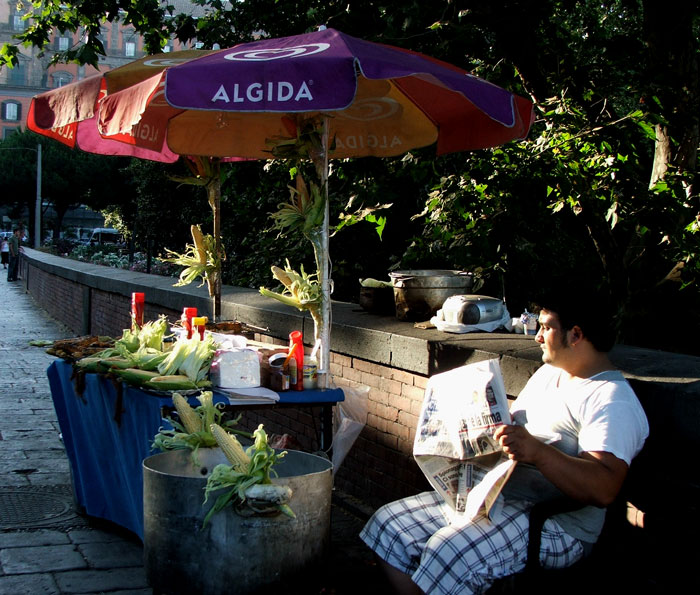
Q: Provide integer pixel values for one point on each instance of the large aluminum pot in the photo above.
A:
(420, 293)
(233, 553)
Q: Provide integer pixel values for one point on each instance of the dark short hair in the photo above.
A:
(590, 310)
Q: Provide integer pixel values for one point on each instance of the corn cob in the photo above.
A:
(206, 398)
(199, 246)
(281, 276)
(231, 448)
(188, 417)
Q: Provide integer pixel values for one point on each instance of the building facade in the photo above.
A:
(34, 74)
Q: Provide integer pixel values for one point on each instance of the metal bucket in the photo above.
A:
(420, 293)
(232, 554)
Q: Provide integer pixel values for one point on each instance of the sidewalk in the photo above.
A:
(46, 547)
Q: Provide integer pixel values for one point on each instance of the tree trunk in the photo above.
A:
(674, 60)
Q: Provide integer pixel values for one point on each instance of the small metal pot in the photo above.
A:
(377, 300)
(420, 293)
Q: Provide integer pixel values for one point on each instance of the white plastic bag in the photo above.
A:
(349, 418)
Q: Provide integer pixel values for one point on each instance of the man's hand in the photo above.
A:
(518, 443)
(592, 477)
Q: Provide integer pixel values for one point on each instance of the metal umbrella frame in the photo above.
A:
(372, 100)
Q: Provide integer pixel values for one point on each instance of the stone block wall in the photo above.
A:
(388, 363)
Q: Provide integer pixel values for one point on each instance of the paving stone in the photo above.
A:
(33, 538)
(28, 584)
(100, 581)
(93, 536)
(51, 558)
(114, 554)
(50, 479)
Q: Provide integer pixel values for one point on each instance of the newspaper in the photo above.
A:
(454, 444)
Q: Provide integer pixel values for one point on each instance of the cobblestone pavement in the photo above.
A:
(46, 546)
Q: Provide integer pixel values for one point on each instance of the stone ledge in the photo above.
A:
(381, 339)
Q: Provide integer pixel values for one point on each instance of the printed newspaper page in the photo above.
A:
(454, 444)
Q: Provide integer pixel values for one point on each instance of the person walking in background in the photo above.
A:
(14, 255)
(5, 252)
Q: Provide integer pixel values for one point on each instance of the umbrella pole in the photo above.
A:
(214, 197)
(324, 272)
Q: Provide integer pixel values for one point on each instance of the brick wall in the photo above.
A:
(380, 466)
(110, 313)
(66, 300)
(61, 298)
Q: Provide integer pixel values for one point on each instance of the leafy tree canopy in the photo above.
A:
(604, 187)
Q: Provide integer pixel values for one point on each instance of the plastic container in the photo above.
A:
(529, 322)
(310, 373)
(296, 379)
(137, 307)
(279, 378)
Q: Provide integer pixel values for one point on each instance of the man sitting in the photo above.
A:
(593, 426)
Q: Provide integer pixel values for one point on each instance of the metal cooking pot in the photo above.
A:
(420, 293)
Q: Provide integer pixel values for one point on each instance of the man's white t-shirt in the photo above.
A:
(600, 413)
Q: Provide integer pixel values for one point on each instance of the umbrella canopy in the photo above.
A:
(381, 101)
(373, 99)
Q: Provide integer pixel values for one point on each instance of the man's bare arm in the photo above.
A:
(591, 478)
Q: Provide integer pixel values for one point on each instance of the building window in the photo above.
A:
(63, 44)
(130, 49)
(18, 23)
(11, 111)
(167, 49)
(8, 132)
(61, 78)
(17, 76)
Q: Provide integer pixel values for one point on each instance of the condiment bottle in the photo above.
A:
(187, 315)
(296, 380)
(137, 306)
(293, 373)
(310, 373)
(199, 323)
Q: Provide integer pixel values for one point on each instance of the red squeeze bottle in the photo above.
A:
(295, 338)
(187, 315)
(199, 324)
(137, 304)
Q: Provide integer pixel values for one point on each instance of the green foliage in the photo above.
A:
(607, 78)
(69, 178)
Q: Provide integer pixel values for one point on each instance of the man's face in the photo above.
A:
(552, 339)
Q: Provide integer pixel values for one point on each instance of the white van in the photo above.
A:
(105, 235)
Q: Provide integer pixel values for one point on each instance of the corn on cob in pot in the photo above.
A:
(188, 417)
(232, 448)
(247, 481)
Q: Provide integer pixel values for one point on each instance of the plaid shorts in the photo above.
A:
(415, 536)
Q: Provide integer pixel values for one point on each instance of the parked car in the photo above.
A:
(105, 235)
